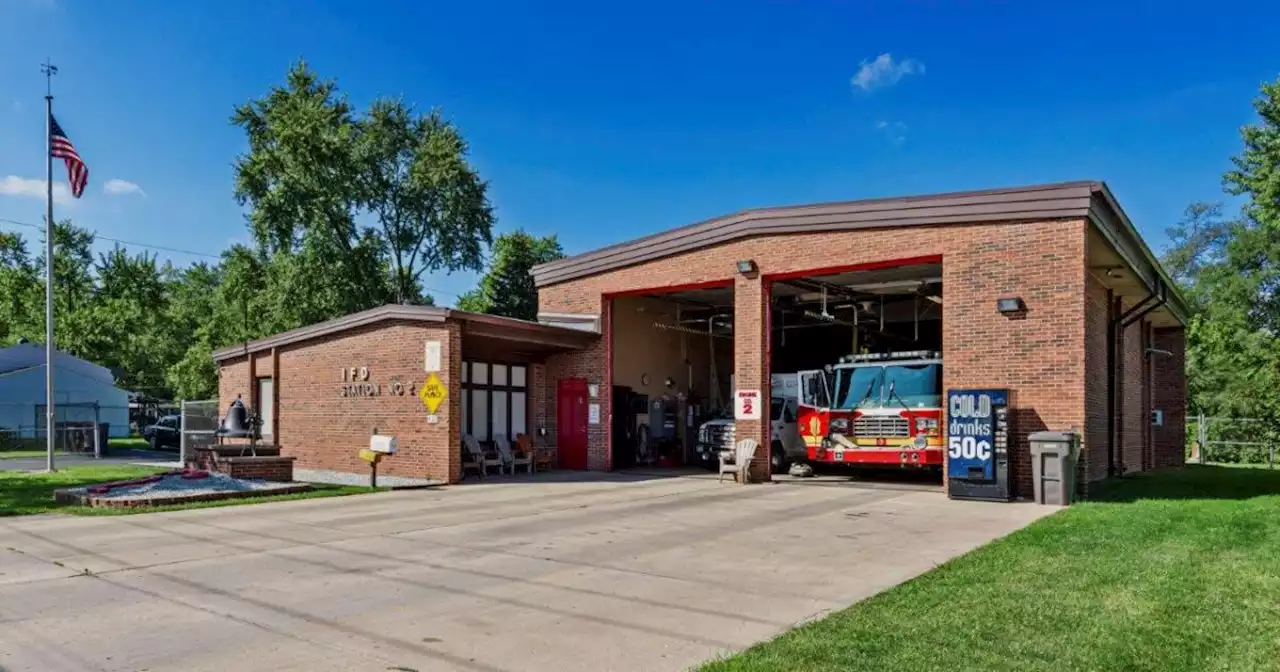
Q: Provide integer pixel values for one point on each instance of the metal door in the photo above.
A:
(571, 423)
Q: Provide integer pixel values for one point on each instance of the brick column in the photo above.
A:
(1169, 380)
(538, 393)
(450, 423)
(751, 363)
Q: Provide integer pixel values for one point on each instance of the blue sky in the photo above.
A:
(602, 123)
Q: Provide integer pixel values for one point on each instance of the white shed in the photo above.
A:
(82, 391)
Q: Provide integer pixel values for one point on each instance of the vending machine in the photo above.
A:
(979, 434)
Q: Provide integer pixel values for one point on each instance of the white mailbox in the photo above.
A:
(381, 443)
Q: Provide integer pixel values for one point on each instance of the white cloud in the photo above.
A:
(117, 187)
(895, 131)
(12, 185)
(884, 71)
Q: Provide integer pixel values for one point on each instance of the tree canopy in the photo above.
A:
(347, 209)
(1230, 270)
(507, 287)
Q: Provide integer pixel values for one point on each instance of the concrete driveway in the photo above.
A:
(581, 572)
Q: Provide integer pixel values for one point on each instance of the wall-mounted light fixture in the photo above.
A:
(1010, 305)
(747, 266)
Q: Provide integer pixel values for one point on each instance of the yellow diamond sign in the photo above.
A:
(432, 393)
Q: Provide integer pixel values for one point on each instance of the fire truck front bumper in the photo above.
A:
(903, 456)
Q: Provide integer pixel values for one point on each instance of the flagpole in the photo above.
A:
(49, 71)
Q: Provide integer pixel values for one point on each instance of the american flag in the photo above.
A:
(77, 172)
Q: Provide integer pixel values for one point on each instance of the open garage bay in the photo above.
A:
(584, 572)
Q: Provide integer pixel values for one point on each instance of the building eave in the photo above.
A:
(1106, 214)
(511, 328)
(1031, 203)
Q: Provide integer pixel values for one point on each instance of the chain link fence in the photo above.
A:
(199, 422)
(78, 427)
(1227, 440)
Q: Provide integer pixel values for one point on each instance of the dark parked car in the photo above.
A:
(164, 433)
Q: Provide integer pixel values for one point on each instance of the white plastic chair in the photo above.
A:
(509, 457)
(743, 453)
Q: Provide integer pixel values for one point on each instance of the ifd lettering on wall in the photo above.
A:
(356, 383)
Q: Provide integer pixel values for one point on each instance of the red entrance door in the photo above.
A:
(571, 423)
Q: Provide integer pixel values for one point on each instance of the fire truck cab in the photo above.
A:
(870, 410)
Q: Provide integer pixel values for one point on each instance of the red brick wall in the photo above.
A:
(588, 364)
(1093, 452)
(266, 468)
(1132, 418)
(1040, 355)
(538, 395)
(262, 365)
(1170, 396)
(233, 379)
(751, 298)
(324, 429)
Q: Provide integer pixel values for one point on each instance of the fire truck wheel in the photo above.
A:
(778, 458)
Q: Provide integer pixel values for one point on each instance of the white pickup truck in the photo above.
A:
(787, 446)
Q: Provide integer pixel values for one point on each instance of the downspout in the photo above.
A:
(1116, 326)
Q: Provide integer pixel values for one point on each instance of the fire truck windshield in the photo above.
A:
(859, 387)
(915, 385)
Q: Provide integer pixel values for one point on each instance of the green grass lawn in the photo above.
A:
(123, 443)
(127, 442)
(1169, 571)
(23, 493)
(15, 454)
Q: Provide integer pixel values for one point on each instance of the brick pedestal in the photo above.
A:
(227, 460)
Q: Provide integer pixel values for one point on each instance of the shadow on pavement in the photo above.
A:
(569, 476)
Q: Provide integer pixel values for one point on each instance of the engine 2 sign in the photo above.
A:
(971, 430)
(747, 405)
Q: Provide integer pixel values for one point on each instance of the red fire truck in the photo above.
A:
(874, 410)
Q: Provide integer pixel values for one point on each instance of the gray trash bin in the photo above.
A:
(1053, 466)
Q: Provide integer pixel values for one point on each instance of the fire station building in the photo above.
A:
(1047, 291)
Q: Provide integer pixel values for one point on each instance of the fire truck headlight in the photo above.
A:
(928, 426)
(840, 425)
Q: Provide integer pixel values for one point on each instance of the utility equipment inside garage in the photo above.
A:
(672, 366)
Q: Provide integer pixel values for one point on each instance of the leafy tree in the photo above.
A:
(108, 311)
(300, 182)
(193, 307)
(432, 206)
(130, 327)
(22, 283)
(507, 288)
(347, 211)
(73, 291)
(1232, 269)
(21, 290)
(1198, 241)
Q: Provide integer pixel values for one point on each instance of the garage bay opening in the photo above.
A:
(855, 357)
(672, 359)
